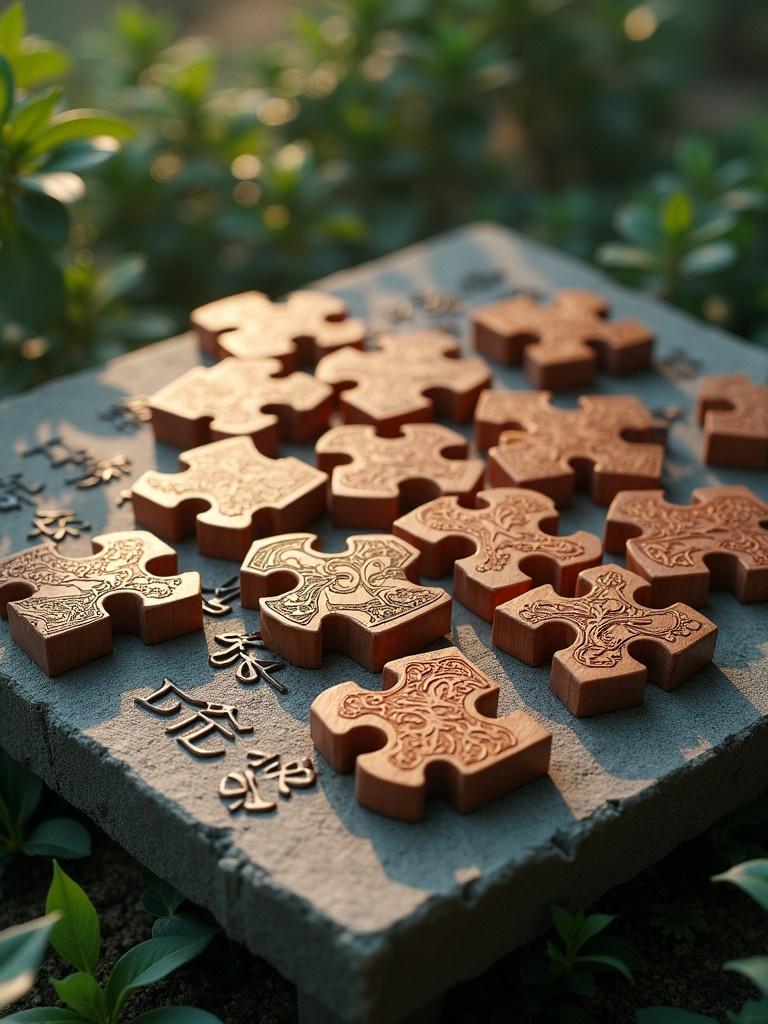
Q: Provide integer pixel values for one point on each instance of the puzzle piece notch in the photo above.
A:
(720, 540)
(374, 479)
(409, 378)
(561, 345)
(228, 494)
(609, 444)
(734, 413)
(241, 396)
(63, 611)
(301, 329)
(500, 548)
(364, 601)
(430, 732)
(605, 642)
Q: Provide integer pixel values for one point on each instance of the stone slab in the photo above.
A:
(371, 917)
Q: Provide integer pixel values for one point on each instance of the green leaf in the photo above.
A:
(82, 993)
(31, 282)
(40, 61)
(176, 1015)
(31, 118)
(695, 157)
(22, 948)
(61, 185)
(42, 216)
(123, 274)
(72, 125)
(602, 959)
(12, 27)
(754, 968)
(751, 877)
(671, 1015)
(80, 156)
(77, 937)
(6, 89)
(676, 214)
(616, 254)
(707, 259)
(44, 1015)
(149, 962)
(59, 837)
(186, 926)
(19, 791)
(565, 922)
(593, 925)
(638, 225)
(719, 223)
(582, 983)
(160, 898)
(753, 1012)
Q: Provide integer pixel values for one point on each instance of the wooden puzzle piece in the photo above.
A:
(719, 540)
(374, 479)
(363, 601)
(734, 413)
(229, 494)
(499, 549)
(409, 378)
(561, 345)
(240, 396)
(606, 641)
(430, 732)
(63, 611)
(302, 329)
(602, 446)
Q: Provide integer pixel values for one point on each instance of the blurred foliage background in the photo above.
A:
(260, 144)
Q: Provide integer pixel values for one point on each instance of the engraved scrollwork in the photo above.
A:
(606, 621)
(428, 709)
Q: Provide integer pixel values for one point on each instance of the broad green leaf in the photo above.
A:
(6, 89)
(42, 216)
(39, 62)
(676, 214)
(19, 789)
(603, 960)
(753, 1012)
(695, 157)
(176, 1015)
(616, 254)
(638, 225)
(77, 936)
(72, 125)
(61, 185)
(30, 119)
(31, 282)
(123, 274)
(22, 948)
(80, 156)
(149, 962)
(82, 993)
(187, 926)
(44, 1015)
(720, 223)
(565, 922)
(754, 968)
(707, 259)
(12, 27)
(671, 1015)
(160, 898)
(593, 925)
(581, 982)
(59, 837)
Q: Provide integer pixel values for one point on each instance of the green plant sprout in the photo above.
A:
(76, 937)
(20, 794)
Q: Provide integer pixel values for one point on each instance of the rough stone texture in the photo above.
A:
(369, 916)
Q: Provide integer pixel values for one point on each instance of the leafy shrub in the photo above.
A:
(367, 125)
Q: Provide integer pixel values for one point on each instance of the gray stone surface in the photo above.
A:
(371, 917)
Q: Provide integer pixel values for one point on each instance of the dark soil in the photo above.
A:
(242, 989)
